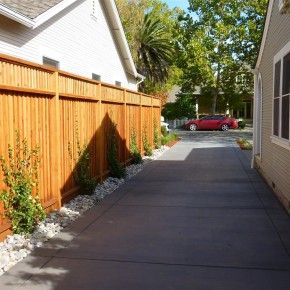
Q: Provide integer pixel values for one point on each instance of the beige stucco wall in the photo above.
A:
(275, 160)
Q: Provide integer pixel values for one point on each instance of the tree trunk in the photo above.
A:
(214, 101)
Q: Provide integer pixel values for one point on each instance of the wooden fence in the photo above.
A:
(47, 105)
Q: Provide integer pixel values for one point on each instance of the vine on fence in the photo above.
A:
(134, 150)
(146, 145)
(156, 135)
(82, 169)
(116, 168)
(20, 198)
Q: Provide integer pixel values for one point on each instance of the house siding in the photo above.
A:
(275, 160)
(83, 44)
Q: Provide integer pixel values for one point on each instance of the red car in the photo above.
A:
(212, 122)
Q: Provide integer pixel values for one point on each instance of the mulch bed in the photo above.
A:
(173, 142)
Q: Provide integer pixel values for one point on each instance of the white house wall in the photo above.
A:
(82, 43)
(275, 160)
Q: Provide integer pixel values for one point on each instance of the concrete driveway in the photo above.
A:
(198, 218)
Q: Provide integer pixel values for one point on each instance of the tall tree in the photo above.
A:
(149, 26)
(219, 46)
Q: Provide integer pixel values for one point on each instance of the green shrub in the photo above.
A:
(156, 139)
(134, 150)
(241, 124)
(164, 131)
(82, 170)
(244, 144)
(168, 138)
(116, 168)
(21, 202)
(146, 146)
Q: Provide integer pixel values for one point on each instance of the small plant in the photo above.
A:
(116, 168)
(244, 144)
(164, 131)
(242, 124)
(20, 198)
(134, 150)
(156, 139)
(81, 172)
(169, 138)
(146, 146)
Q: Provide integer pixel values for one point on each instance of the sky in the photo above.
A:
(177, 3)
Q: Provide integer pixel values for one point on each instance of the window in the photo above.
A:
(50, 62)
(96, 77)
(118, 84)
(281, 102)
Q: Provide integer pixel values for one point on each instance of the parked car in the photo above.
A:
(212, 122)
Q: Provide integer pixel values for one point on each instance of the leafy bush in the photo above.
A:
(244, 144)
(21, 202)
(82, 170)
(242, 124)
(164, 131)
(146, 146)
(156, 139)
(134, 150)
(116, 168)
(168, 138)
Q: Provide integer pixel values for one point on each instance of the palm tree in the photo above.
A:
(155, 50)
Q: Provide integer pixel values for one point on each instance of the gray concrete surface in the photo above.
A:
(199, 218)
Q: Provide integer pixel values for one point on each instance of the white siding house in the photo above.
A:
(271, 154)
(83, 37)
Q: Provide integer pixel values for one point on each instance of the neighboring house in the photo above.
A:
(271, 154)
(83, 37)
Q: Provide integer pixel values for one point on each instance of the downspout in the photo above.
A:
(141, 77)
(255, 73)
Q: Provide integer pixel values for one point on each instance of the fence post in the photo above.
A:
(55, 144)
(141, 128)
(126, 129)
(101, 140)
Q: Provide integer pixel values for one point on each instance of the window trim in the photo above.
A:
(285, 143)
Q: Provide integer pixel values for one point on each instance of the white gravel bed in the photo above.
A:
(16, 247)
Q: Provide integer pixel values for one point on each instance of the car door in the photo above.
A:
(205, 123)
(217, 122)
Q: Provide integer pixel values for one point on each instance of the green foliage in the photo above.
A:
(150, 27)
(168, 138)
(184, 106)
(156, 138)
(164, 131)
(244, 144)
(242, 124)
(146, 145)
(219, 46)
(116, 168)
(82, 170)
(134, 150)
(21, 202)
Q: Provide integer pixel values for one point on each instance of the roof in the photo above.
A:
(30, 8)
(33, 13)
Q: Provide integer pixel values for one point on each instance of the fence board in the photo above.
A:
(52, 108)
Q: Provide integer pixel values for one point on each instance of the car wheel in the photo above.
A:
(193, 127)
(225, 127)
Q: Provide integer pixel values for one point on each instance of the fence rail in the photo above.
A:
(49, 106)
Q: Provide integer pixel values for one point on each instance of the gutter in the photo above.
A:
(141, 77)
(16, 16)
(118, 30)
